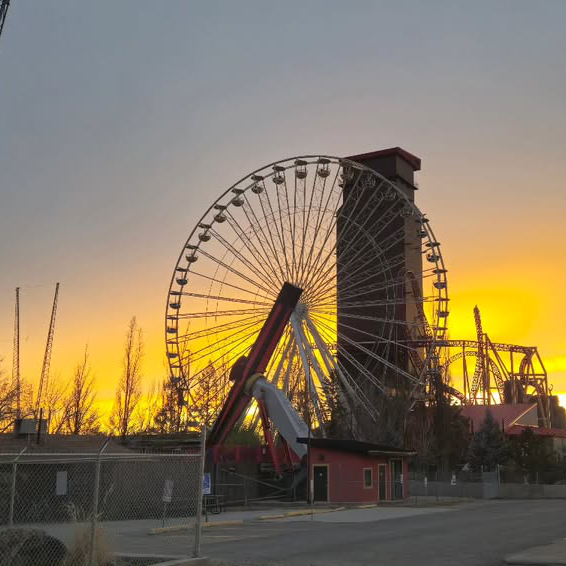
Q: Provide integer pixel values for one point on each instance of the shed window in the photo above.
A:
(368, 478)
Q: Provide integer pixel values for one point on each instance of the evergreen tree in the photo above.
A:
(488, 447)
(532, 454)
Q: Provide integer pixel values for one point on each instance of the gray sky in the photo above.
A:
(120, 121)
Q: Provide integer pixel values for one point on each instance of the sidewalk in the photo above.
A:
(553, 554)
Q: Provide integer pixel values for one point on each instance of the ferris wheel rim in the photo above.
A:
(340, 162)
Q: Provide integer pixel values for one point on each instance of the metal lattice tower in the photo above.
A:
(16, 382)
(44, 380)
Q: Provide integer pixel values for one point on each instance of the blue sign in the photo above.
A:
(206, 484)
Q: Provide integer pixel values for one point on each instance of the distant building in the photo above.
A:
(505, 415)
(513, 420)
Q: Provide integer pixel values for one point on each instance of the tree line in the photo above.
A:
(73, 407)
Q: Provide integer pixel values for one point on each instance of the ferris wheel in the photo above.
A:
(356, 245)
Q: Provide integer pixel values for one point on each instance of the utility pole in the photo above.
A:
(44, 379)
(16, 383)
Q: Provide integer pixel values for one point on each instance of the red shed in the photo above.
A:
(350, 471)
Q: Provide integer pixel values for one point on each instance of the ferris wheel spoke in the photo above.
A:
(257, 270)
(231, 269)
(285, 213)
(354, 229)
(371, 244)
(221, 298)
(382, 360)
(400, 323)
(261, 257)
(302, 215)
(331, 366)
(280, 236)
(306, 221)
(372, 275)
(226, 326)
(290, 363)
(291, 218)
(332, 306)
(264, 201)
(239, 352)
(329, 294)
(216, 314)
(281, 357)
(304, 352)
(220, 340)
(350, 384)
(321, 210)
(224, 283)
(387, 268)
(349, 225)
(315, 207)
(265, 241)
(376, 339)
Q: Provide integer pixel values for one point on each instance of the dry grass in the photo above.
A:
(79, 554)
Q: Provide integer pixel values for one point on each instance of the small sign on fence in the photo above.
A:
(453, 480)
(167, 491)
(61, 483)
(206, 484)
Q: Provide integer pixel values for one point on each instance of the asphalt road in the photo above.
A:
(477, 534)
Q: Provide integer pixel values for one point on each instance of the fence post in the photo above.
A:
(198, 518)
(92, 554)
(13, 488)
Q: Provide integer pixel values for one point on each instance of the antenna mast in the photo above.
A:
(4, 5)
(44, 380)
(16, 383)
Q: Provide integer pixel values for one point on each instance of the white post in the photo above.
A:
(92, 554)
(198, 519)
(13, 488)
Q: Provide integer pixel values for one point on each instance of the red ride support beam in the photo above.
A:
(260, 354)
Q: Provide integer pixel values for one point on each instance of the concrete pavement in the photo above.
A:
(480, 533)
(553, 554)
(476, 534)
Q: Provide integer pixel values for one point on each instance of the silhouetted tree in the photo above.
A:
(128, 392)
(79, 413)
(488, 447)
(531, 453)
(8, 393)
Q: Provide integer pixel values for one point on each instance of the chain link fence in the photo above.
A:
(503, 483)
(80, 509)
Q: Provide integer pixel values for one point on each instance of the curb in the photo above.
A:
(176, 528)
(301, 513)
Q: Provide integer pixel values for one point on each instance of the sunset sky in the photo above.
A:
(121, 122)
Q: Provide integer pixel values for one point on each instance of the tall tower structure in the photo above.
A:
(399, 166)
(16, 379)
(386, 290)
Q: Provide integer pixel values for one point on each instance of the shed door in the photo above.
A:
(396, 479)
(320, 474)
